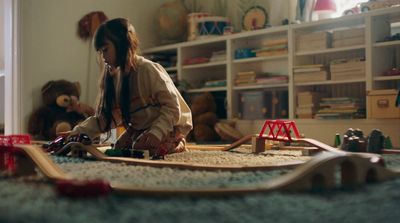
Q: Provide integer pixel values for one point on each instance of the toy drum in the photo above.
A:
(212, 25)
(192, 24)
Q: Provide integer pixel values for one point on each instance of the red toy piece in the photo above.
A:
(279, 130)
(83, 188)
(7, 159)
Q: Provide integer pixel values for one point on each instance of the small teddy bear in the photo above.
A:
(204, 118)
(60, 112)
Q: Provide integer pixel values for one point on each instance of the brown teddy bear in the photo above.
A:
(204, 118)
(61, 110)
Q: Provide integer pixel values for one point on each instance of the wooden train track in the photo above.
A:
(317, 173)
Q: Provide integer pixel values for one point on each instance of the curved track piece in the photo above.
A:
(317, 173)
(239, 142)
(43, 162)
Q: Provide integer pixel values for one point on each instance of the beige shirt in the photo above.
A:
(156, 104)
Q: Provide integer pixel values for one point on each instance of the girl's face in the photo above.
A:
(109, 54)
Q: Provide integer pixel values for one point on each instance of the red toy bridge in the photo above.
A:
(279, 130)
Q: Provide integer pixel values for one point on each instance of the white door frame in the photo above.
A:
(12, 64)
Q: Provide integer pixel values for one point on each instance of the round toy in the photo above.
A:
(255, 18)
(192, 24)
(211, 26)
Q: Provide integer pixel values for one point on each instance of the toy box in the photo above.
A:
(263, 105)
(382, 104)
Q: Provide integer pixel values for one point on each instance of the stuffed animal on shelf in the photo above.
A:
(204, 118)
(61, 110)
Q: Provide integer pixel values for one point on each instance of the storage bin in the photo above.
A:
(263, 105)
(382, 104)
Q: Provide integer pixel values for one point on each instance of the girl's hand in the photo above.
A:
(148, 141)
(124, 141)
(65, 134)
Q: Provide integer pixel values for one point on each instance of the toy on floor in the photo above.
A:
(60, 112)
(355, 141)
(62, 145)
(134, 153)
(203, 109)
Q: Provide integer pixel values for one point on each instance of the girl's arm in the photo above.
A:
(93, 126)
(165, 93)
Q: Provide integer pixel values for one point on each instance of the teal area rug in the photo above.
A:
(36, 200)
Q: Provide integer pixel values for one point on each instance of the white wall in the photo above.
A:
(1, 35)
(51, 49)
(1, 61)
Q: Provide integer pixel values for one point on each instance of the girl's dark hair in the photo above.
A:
(121, 33)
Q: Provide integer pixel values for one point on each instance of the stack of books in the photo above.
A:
(252, 78)
(309, 73)
(313, 41)
(348, 37)
(341, 107)
(307, 104)
(272, 47)
(346, 69)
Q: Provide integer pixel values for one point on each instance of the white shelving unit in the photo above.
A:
(379, 57)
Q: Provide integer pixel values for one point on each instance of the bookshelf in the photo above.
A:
(379, 57)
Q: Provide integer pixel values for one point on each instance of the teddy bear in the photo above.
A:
(204, 118)
(60, 112)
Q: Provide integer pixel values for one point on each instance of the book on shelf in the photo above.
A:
(348, 42)
(272, 80)
(337, 110)
(271, 48)
(347, 61)
(307, 66)
(251, 77)
(313, 41)
(340, 99)
(307, 70)
(306, 46)
(310, 76)
(273, 42)
(271, 53)
(347, 76)
(356, 68)
(308, 98)
(246, 74)
(341, 107)
(314, 36)
(305, 110)
(348, 33)
(196, 60)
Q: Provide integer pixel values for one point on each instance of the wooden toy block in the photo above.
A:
(257, 144)
(310, 151)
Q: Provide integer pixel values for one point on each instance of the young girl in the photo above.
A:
(136, 93)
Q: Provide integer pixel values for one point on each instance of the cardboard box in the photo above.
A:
(382, 104)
